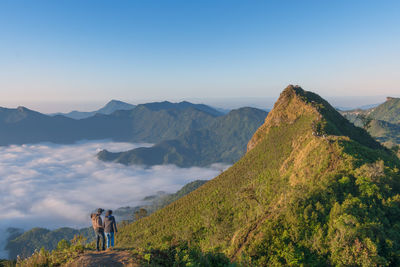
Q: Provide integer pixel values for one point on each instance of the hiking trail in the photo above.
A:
(104, 259)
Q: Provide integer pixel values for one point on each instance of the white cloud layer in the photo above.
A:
(48, 185)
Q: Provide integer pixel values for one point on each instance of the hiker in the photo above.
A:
(98, 228)
(110, 228)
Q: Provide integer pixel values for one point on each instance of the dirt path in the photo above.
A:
(253, 231)
(248, 236)
(104, 259)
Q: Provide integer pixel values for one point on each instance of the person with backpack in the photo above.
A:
(110, 228)
(98, 228)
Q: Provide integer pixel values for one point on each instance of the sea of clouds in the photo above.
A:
(49, 185)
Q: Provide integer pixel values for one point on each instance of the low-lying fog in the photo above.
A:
(48, 185)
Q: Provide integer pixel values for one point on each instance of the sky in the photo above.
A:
(67, 54)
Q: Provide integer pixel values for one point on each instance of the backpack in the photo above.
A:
(96, 221)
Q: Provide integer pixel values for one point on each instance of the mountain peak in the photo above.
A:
(310, 181)
(115, 101)
(291, 104)
(293, 89)
(22, 109)
(295, 102)
(114, 105)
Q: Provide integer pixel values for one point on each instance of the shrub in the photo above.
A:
(65, 252)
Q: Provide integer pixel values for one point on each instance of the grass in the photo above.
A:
(7, 263)
(280, 204)
(313, 190)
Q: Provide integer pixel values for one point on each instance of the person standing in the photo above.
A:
(110, 228)
(98, 228)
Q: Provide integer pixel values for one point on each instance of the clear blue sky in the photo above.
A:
(82, 51)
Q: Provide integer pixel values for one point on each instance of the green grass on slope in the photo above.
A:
(37, 238)
(382, 122)
(24, 244)
(7, 263)
(297, 198)
(211, 214)
(385, 132)
(312, 191)
(388, 111)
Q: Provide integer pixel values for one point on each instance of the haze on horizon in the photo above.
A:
(64, 55)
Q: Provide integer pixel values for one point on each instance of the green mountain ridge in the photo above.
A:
(115, 105)
(36, 238)
(385, 132)
(109, 108)
(312, 190)
(223, 140)
(388, 111)
(165, 105)
(382, 122)
(144, 123)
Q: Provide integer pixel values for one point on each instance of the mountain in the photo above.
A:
(115, 105)
(388, 111)
(382, 122)
(312, 190)
(385, 132)
(22, 125)
(150, 122)
(109, 108)
(369, 106)
(223, 140)
(223, 110)
(25, 243)
(144, 124)
(165, 105)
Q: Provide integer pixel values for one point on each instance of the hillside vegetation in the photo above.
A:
(312, 190)
(25, 244)
(35, 239)
(388, 111)
(382, 122)
(152, 122)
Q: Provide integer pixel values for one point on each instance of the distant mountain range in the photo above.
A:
(382, 122)
(363, 107)
(115, 105)
(185, 134)
(223, 139)
(25, 243)
(109, 108)
(165, 105)
(152, 122)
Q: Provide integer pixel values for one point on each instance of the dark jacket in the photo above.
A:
(110, 226)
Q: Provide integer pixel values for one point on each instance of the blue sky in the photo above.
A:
(93, 51)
